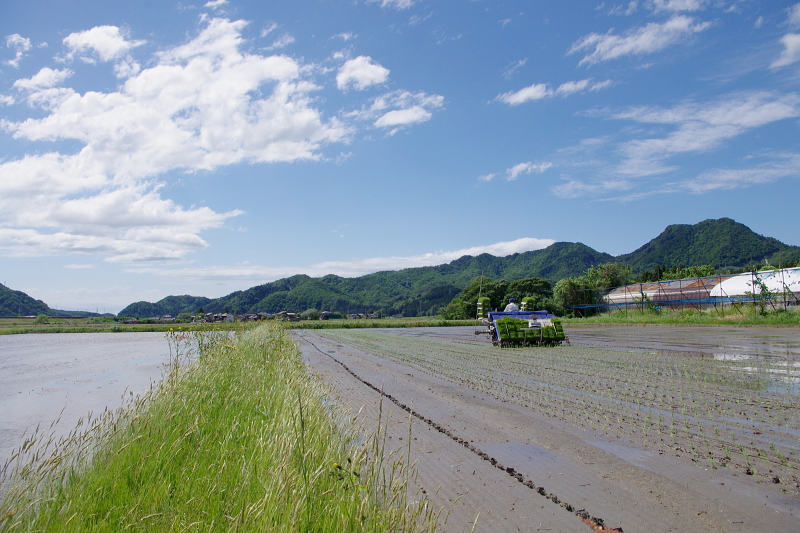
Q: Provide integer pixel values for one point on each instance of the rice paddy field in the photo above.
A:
(662, 428)
(719, 412)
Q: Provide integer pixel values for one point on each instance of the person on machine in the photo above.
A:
(511, 306)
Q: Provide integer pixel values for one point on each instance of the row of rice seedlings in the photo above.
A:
(690, 404)
(239, 439)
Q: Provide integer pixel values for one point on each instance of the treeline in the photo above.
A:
(574, 292)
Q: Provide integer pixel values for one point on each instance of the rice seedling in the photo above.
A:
(235, 438)
(699, 407)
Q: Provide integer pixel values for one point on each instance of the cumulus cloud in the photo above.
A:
(538, 91)
(215, 4)
(104, 42)
(354, 268)
(20, 45)
(44, 79)
(200, 106)
(361, 73)
(646, 40)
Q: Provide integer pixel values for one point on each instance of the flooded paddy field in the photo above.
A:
(67, 375)
(646, 428)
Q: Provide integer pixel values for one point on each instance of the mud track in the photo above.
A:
(499, 466)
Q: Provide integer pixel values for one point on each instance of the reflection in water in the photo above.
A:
(71, 374)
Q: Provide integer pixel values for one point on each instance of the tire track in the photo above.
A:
(596, 523)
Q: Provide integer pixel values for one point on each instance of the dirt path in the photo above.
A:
(517, 470)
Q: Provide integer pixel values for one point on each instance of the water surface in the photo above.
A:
(43, 374)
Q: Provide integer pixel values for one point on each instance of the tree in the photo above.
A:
(310, 314)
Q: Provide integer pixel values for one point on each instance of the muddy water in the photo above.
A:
(43, 374)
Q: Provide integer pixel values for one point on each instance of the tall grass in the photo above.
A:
(741, 314)
(240, 439)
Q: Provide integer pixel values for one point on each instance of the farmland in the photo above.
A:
(638, 433)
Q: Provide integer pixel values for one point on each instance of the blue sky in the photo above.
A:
(156, 148)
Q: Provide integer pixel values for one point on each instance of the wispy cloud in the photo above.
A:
(790, 41)
(700, 127)
(394, 4)
(514, 172)
(539, 91)
(645, 40)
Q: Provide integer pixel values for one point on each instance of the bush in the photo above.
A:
(42, 319)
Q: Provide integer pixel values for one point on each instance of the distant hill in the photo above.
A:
(719, 243)
(410, 292)
(171, 305)
(17, 303)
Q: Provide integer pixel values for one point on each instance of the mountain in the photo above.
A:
(17, 303)
(719, 243)
(171, 305)
(411, 292)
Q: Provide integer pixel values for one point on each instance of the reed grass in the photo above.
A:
(236, 437)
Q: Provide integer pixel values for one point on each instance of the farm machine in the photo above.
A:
(521, 328)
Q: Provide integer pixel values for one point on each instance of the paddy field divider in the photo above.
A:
(237, 436)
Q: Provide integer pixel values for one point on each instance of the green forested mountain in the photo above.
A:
(422, 291)
(719, 243)
(171, 305)
(410, 292)
(17, 303)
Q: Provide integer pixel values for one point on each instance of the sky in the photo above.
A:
(160, 148)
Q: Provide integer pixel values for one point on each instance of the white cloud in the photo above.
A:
(791, 51)
(400, 108)
(512, 68)
(402, 117)
(396, 4)
(20, 45)
(677, 5)
(200, 106)
(344, 36)
(721, 179)
(107, 42)
(282, 42)
(539, 91)
(126, 68)
(487, 177)
(622, 9)
(794, 16)
(646, 40)
(214, 4)
(577, 188)
(75, 266)
(43, 79)
(701, 127)
(346, 268)
(526, 168)
(361, 73)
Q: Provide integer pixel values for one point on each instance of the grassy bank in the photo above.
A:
(744, 316)
(238, 440)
